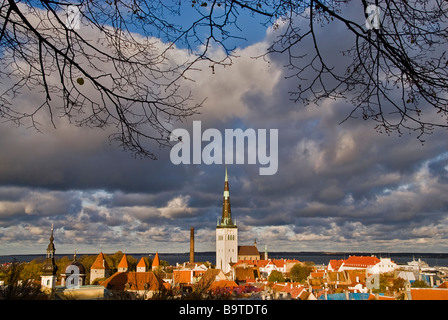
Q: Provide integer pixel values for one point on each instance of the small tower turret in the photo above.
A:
(48, 278)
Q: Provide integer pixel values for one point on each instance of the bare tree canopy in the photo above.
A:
(118, 70)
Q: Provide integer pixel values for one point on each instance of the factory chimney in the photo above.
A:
(192, 245)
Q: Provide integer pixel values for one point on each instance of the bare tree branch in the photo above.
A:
(118, 71)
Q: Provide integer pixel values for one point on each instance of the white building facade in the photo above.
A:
(384, 266)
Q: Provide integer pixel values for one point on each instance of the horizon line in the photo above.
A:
(211, 252)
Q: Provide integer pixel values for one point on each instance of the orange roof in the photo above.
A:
(429, 294)
(261, 263)
(182, 276)
(443, 285)
(361, 261)
(135, 281)
(249, 273)
(100, 262)
(294, 289)
(223, 284)
(356, 276)
(317, 274)
(156, 261)
(336, 264)
(124, 262)
(297, 292)
(278, 263)
(337, 277)
(292, 261)
(141, 263)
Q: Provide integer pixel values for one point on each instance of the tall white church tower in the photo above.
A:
(226, 235)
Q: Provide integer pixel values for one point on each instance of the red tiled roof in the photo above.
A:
(100, 262)
(429, 294)
(336, 264)
(223, 284)
(136, 281)
(318, 274)
(249, 273)
(297, 292)
(261, 263)
(279, 263)
(361, 261)
(356, 276)
(249, 263)
(294, 289)
(182, 276)
(337, 277)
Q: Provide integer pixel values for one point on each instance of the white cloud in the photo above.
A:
(177, 208)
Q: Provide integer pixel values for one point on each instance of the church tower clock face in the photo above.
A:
(226, 234)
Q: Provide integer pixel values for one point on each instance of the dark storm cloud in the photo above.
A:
(20, 204)
(79, 158)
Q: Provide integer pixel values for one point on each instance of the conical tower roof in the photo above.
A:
(156, 261)
(226, 218)
(100, 262)
(141, 263)
(124, 262)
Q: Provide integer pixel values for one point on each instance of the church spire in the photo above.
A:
(50, 267)
(226, 219)
(51, 249)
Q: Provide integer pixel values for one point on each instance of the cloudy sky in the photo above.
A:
(339, 187)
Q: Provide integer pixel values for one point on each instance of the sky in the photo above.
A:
(338, 187)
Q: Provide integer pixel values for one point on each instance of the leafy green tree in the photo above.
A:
(87, 261)
(63, 262)
(148, 262)
(132, 262)
(300, 272)
(17, 288)
(32, 270)
(164, 263)
(419, 284)
(398, 284)
(276, 276)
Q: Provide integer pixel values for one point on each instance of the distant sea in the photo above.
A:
(432, 259)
